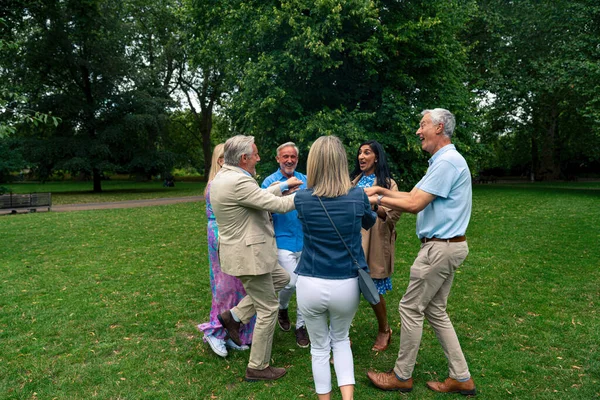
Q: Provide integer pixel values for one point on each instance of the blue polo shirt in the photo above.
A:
(288, 230)
(449, 179)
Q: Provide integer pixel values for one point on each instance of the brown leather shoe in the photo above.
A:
(453, 386)
(302, 339)
(388, 381)
(267, 374)
(283, 320)
(231, 326)
(386, 343)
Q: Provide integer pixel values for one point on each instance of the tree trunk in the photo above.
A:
(534, 158)
(91, 124)
(205, 130)
(207, 99)
(97, 180)
(549, 168)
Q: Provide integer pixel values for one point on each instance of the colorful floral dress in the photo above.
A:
(227, 290)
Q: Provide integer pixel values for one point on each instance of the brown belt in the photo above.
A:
(451, 240)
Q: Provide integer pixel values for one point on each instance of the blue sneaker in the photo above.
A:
(217, 345)
(230, 344)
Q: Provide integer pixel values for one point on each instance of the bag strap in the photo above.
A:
(339, 234)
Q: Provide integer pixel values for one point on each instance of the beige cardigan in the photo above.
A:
(379, 242)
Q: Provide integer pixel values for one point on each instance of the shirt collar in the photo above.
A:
(280, 174)
(242, 170)
(441, 151)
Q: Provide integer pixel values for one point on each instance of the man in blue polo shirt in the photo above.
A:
(288, 234)
(442, 202)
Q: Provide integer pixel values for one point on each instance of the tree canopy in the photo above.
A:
(98, 66)
(519, 76)
(539, 62)
(359, 69)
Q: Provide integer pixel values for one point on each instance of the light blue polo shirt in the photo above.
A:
(449, 179)
(288, 230)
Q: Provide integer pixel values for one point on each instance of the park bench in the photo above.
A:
(31, 202)
(485, 179)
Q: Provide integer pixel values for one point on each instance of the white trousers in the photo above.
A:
(289, 261)
(336, 300)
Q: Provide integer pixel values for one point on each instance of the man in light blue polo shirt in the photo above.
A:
(442, 202)
(288, 234)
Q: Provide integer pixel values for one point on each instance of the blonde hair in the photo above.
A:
(327, 168)
(214, 163)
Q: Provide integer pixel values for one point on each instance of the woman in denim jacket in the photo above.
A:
(327, 284)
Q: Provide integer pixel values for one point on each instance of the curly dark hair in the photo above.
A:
(382, 171)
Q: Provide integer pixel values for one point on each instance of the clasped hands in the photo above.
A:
(293, 185)
(373, 192)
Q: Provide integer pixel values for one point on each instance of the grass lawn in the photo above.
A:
(71, 192)
(104, 304)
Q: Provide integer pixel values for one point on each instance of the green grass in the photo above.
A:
(104, 304)
(71, 192)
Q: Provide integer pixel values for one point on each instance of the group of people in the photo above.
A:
(310, 233)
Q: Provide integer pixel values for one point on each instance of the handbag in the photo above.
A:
(365, 282)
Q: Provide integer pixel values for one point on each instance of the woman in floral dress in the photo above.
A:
(227, 290)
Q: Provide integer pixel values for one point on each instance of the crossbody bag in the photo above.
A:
(365, 282)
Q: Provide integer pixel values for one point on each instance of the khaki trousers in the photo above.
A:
(261, 299)
(431, 277)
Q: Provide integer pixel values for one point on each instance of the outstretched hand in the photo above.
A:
(372, 191)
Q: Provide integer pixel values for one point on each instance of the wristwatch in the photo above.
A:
(379, 199)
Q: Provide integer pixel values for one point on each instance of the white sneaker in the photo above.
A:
(229, 343)
(217, 345)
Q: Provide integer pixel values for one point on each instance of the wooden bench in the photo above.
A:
(31, 202)
(485, 179)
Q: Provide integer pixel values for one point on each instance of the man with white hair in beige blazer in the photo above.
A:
(247, 248)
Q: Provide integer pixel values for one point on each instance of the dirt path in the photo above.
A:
(112, 204)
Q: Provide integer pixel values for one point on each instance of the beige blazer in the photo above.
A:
(379, 242)
(246, 238)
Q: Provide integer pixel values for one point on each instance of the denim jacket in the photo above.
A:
(324, 255)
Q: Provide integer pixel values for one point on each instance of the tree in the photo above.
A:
(183, 139)
(14, 112)
(204, 78)
(539, 61)
(96, 64)
(358, 69)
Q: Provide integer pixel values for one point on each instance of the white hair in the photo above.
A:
(236, 147)
(288, 144)
(442, 116)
